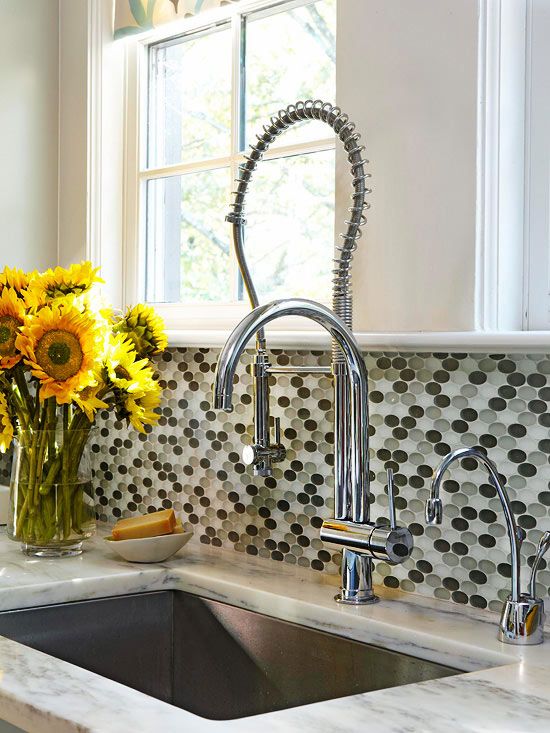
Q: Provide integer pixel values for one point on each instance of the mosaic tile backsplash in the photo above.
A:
(422, 406)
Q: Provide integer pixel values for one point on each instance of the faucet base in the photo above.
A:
(356, 579)
(359, 599)
(522, 622)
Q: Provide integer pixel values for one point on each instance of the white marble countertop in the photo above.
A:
(504, 689)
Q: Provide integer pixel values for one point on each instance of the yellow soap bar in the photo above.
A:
(148, 525)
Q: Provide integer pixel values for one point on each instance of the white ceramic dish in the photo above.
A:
(149, 549)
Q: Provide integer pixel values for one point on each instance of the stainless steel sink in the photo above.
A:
(210, 658)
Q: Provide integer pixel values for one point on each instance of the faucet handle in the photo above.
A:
(263, 456)
(391, 499)
(434, 511)
(391, 544)
(277, 431)
(544, 544)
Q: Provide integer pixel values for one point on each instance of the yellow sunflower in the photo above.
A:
(62, 347)
(12, 315)
(61, 282)
(125, 371)
(140, 411)
(88, 401)
(145, 328)
(15, 279)
(6, 427)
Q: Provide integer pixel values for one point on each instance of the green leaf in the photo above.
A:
(138, 11)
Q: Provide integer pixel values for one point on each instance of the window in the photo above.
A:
(207, 93)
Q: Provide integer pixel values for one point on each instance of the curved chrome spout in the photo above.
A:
(361, 541)
(357, 373)
(516, 535)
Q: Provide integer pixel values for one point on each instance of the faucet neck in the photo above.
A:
(515, 534)
(355, 406)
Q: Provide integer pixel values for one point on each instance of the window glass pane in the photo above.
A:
(187, 238)
(290, 220)
(290, 56)
(190, 99)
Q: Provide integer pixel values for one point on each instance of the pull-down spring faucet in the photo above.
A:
(361, 540)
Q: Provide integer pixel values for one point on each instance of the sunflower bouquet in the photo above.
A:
(64, 355)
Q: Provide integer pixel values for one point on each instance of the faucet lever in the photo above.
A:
(277, 431)
(544, 544)
(434, 510)
(391, 499)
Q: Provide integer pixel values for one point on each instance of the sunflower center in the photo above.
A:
(8, 334)
(59, 354)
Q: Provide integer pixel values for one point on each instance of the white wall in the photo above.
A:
(73, 129)
(407, 74)
(28, 133)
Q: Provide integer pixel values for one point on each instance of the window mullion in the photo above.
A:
(197, 166)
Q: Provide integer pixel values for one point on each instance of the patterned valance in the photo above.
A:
(137, 16)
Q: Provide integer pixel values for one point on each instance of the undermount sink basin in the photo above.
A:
(209, 658)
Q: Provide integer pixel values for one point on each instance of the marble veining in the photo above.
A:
(503, 688)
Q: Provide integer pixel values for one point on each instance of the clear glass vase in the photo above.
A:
(52, 508)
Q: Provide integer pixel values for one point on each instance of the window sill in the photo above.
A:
(458, 341)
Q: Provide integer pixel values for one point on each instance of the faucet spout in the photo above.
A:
(357, 374)
(361, 541)
(516, 535)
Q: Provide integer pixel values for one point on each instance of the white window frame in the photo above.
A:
(514, 266)
(208, 319)
(500, 244)
(537, 166)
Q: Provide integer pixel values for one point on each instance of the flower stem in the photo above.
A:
(21, 382)
(65, 471)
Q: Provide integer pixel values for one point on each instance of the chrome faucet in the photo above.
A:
(360, 539)
(522, 618)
